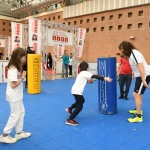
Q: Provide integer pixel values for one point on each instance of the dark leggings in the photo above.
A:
(77, 106)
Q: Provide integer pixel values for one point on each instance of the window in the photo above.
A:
(103, 18)
(141, 13)
(110, 28)
(45, 19)
(102, 28)
(9, 30)
(3, 23)
(87, 30)
(69, 23)
(58, 17)
(3, 29)
(9, 24)
(49, 19)
(119, 16)
(129, 26)
(149, 24)
(140, 25)
(81, 21)
(119, 27)
(75, 22)
(94, 29)
(110, 17)
(129, 14)
(95, 19)
(53, 18)
(87, 20)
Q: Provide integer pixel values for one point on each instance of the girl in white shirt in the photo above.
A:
(77, 91)
(14, 95)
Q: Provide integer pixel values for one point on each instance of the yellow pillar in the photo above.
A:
(34, 73)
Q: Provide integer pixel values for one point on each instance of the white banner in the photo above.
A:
(9, 45)
(16, 34)
(81, 37)
(60, 50)
(2, 43)
(59, 37)
(35, 35)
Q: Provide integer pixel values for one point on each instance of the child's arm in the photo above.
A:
(101, 78)
(14, 84)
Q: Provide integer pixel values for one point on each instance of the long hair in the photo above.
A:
(126, 48)
(15, 59)
(83, 66)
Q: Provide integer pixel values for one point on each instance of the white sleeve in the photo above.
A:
(138, 56)
(13, 74)
(87, 74)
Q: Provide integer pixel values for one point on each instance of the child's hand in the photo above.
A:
(23, 74)
(90, 80)
(108, 79)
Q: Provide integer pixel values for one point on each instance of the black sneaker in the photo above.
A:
(121, 97)
(125, 97)
(72, 122)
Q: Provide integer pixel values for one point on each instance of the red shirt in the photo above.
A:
(125, 67)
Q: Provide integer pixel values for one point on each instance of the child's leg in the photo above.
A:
(79, 105)
(72, 106)
(13, 118)
(20, 122)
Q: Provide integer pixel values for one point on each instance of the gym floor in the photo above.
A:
(46, 116)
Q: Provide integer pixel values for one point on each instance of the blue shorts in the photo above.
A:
(139, 87)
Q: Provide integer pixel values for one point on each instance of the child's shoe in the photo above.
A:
(72, 122)
(68, 110)
(22, 135)
(7, 139)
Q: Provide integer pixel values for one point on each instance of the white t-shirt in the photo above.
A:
(70, 61)
(80, 82)
(140, 59)
(15, 94)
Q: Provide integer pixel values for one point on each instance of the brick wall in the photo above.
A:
(106, 30)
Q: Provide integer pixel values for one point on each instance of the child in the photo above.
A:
(77, 91)
(14, 95)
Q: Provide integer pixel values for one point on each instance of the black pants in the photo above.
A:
(125, 80)
(77, 106)
(70, 70)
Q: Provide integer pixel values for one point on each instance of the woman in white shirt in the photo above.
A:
(141, 71)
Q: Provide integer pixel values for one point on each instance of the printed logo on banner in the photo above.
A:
(59, 37)
(16, 34)
(102, 93)
(81, 37)
(35, 35)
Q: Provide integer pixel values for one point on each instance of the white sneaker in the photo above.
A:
(7, 139)
(22, 135)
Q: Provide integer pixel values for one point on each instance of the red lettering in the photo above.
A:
(66, 39)
(58, 38)
(54, 38)
(62, 39)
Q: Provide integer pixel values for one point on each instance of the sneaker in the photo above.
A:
(135, 119)
(22, 135)
(72, 122)
(68, 110)
(7, 139)
(134, 111)
(125, 97)
(121, 97)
